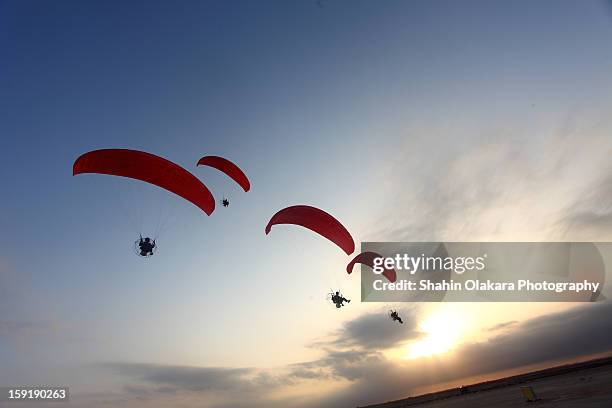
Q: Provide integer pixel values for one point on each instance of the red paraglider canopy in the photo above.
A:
(148, 168)
(316, 220)
(228, 168)
(367, 258)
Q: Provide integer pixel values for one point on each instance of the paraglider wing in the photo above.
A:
(315, 220)
(228, 168)
(367, 258)
(148, 168)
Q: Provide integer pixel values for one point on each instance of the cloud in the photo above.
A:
(173, 378)
(520, 184)
(591, 210)
(503, 325)
(370, 331)
(578, 332)
(338, 365)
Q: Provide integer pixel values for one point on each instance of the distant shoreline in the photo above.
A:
(493, 384)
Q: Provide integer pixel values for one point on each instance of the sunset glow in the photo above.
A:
(442, 332)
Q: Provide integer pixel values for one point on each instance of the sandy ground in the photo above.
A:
(589, 388)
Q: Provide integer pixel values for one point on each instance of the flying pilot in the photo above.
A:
(146, 246)
(339, 300)
(395, 316)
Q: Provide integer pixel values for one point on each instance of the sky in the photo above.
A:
(407, 120)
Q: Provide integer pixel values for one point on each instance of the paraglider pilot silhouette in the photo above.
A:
(146, 246)
(225, 202)
(393, 315)
(339, 300)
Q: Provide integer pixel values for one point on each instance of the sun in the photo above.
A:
(442, 331)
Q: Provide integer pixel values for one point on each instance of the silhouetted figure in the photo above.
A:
(393, 315)
(225, 202)
(146, 246)
(339, 300)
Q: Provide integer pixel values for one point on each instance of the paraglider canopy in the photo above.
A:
(149, 168)
(315, 220)
(228, 168)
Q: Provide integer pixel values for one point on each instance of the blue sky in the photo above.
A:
(366, 109)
